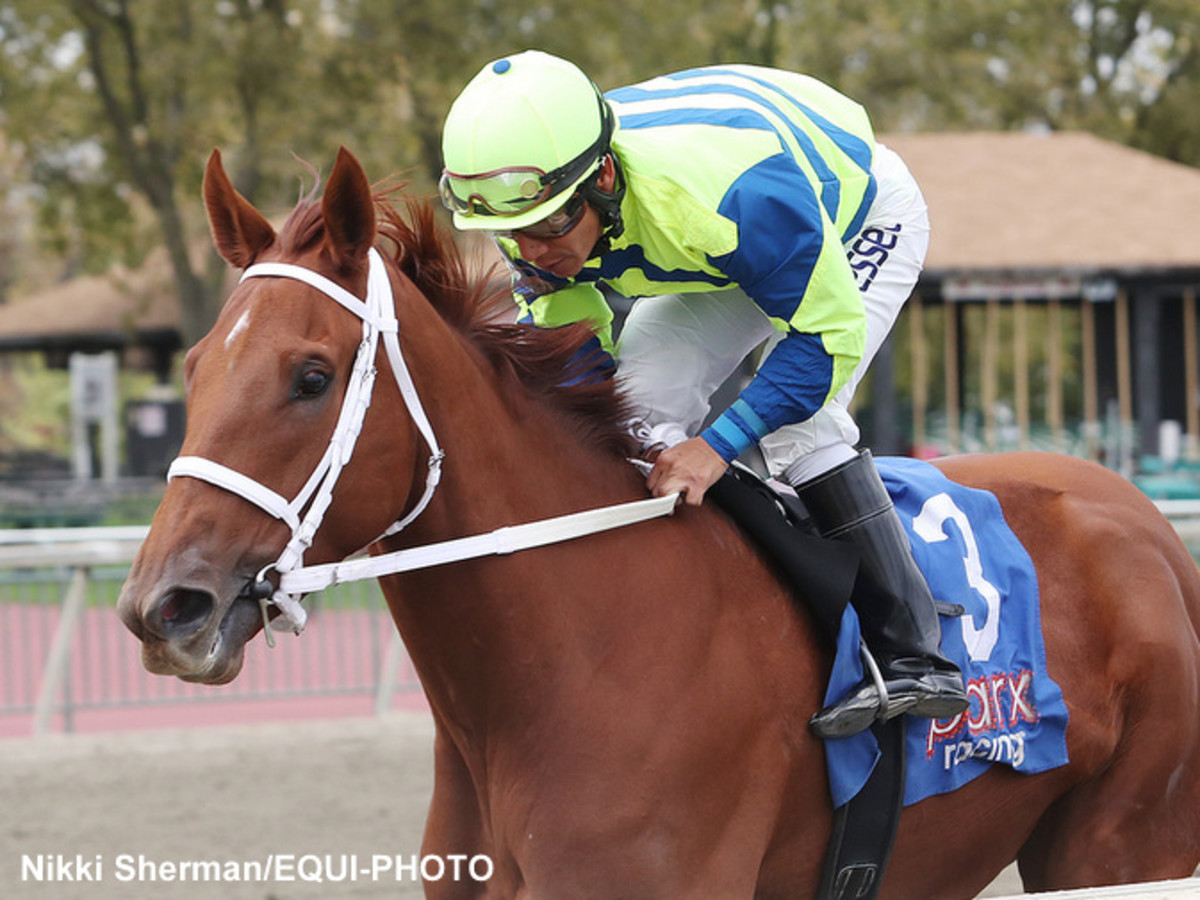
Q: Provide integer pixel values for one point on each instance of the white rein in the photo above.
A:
(378, 316)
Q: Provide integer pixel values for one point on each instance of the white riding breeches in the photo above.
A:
(676, 350)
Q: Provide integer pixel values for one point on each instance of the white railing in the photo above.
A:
(32, 548)
(62, 650)
(39, 656)
(1180, 889)
(1185, 516)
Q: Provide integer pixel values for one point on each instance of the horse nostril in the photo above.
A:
(183, 612)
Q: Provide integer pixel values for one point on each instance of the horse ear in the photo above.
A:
(238, 229)
(349, 211)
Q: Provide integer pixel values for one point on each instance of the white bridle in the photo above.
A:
(378, 316)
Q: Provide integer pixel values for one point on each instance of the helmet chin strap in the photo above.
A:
(608, 205)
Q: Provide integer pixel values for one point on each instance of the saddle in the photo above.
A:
(822, 574)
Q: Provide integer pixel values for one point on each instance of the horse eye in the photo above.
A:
(311, 383)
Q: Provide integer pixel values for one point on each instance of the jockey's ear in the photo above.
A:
(607, 179)
(349, 211)
(238, 229)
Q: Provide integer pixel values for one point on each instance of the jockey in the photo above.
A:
(742, 207)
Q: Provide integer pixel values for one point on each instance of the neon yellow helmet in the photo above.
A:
(521, 137)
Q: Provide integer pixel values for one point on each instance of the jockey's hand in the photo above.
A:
(690, 468)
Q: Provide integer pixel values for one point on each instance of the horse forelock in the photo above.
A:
(546, 363)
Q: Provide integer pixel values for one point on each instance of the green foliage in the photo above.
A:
(115, 104)
(44, 426)
(35, 404)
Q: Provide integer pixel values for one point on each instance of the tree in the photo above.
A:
(1126, 70)
(114, 105)
(118, 101)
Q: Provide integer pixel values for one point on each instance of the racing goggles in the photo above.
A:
(561, 221)
(516, 189)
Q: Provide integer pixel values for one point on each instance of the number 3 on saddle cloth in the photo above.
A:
(971, 560)
(970, 557)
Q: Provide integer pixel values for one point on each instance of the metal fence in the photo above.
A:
(1185, 516)
(65, 659)
(64, 655)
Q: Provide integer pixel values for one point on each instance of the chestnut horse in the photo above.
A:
(625, 714)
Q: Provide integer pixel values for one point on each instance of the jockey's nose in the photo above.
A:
(531, 248)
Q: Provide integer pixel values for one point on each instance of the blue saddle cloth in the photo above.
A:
(970, 557)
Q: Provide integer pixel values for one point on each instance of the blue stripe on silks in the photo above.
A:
(727, 438)
(735, 431)
(746, 413)
(593, 364)
(850, 144)
(856, 223)
(720, 446)
(530, 271)
(793, 383)
(721, 118)
(825, 174)
(780, 235)
(617, 262)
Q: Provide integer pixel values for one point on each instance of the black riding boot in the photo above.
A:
(899, 621)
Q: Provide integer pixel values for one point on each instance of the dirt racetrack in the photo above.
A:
(347, 790)
(335, 798)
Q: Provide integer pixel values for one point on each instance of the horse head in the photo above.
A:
(263, 388)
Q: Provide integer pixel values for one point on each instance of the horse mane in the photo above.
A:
(549, 364)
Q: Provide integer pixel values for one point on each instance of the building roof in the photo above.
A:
(1065, 201)
(95, 311)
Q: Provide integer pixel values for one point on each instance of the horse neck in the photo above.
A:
(510, 457)
(508, 461)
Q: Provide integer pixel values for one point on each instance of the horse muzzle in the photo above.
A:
(195, 633)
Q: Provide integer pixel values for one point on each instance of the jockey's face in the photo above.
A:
(565, 254)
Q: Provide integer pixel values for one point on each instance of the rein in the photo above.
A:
(378, 316)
